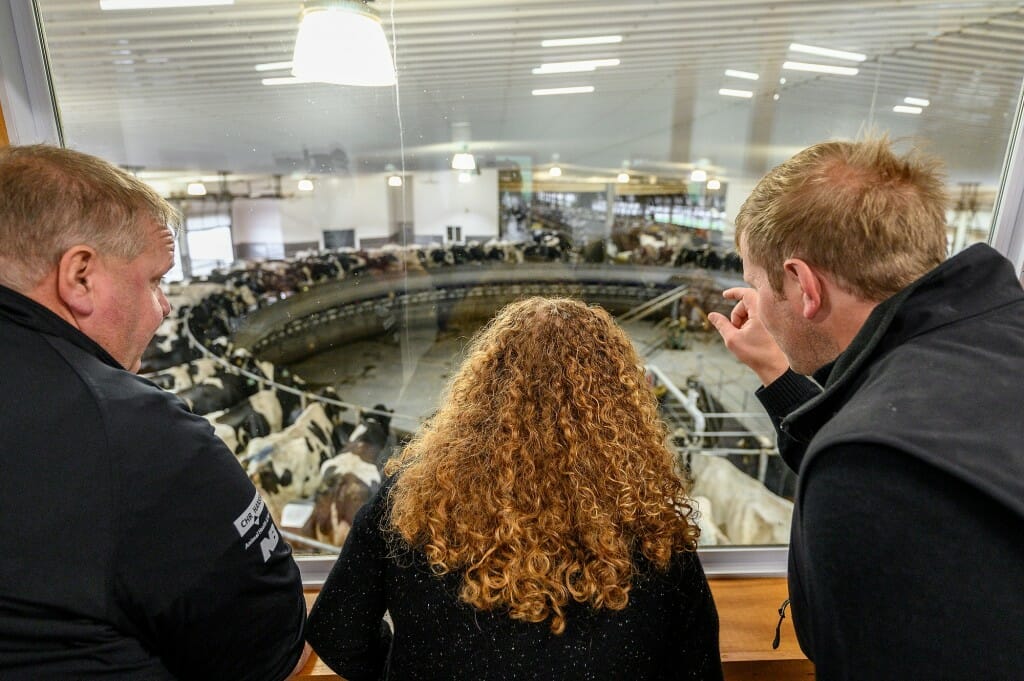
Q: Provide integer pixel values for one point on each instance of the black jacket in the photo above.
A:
(134, 546)
(669, 629)
(906, 557)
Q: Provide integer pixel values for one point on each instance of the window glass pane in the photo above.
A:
(365, 217)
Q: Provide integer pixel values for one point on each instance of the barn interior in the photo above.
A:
(616, 140)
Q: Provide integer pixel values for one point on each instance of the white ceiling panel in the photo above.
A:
(168, 89)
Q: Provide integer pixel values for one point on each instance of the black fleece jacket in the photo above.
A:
(906, 556)
(134, 545)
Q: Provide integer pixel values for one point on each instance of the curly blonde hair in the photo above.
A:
(545, 472)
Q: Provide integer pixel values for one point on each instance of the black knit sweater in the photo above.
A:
(669, 630)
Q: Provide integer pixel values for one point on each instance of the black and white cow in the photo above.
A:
(371, 439)
(169, 347)
(225, 388)
(286, 465)
(349, 479)
(178, 378)
(346, 484)
(263, 413)
(503, 251)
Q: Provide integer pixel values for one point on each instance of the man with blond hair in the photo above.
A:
(134, 546)
(905, 555)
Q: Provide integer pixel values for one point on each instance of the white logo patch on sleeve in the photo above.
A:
(268, 544)
(250, 516)
(254, 526)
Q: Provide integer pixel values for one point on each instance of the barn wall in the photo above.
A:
(360, 203)
(441, 200)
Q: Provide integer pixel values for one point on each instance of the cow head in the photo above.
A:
(379, 416)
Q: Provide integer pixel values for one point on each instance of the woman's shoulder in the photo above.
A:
(684, 573)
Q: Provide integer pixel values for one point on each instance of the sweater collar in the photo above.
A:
(23, 311)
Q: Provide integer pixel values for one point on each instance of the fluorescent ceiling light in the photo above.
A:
(395, 181)
(593, 40)
(274, 66)
(555, 171)
(622, 178)
(916, 101)
(714, 185)
(741, 74)
(899, 108)
(196, 189)
(819, 68)
(463, 161)
(747, 94)
(284, 80)
(698, 175)
(305, 185)
(579, 90)
(160, 4)
(574, 66)
(342, 42)
(826, 52)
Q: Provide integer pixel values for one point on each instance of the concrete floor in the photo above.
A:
(409, 374)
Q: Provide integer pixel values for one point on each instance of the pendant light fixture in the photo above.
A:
(342, 42)
(555, 170)
(463, 160)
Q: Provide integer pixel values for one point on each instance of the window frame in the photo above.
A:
(31, 115)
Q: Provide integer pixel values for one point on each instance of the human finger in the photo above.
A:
(737, 292)
(723, 325)
(740, 314)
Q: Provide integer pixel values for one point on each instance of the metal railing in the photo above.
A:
(653, 305)
(699, 438)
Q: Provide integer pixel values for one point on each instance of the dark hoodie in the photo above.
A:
(906, 557)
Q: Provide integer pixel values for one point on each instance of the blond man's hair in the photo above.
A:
(52, 199)
(545, 473)
(873, 220)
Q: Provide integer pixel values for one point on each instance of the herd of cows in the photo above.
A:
(292, 441)
(303, 448)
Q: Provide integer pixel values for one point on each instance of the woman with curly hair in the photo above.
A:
(535, 527)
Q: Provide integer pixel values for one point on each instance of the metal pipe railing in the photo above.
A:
(653, 305)
(689, 402)
(313, 543)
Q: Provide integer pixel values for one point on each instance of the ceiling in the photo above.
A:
(176, 89)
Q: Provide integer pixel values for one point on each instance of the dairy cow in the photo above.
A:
(263, 413)
(370, 439)
(747, 512)
(177, 378)
(349, 479)
(286, 465)
(710, 534)
(346, 484)
(225, 388)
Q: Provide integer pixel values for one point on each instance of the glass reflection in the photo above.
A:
(610, 147)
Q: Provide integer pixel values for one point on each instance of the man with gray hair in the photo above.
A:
(905, 553)
(135, 545)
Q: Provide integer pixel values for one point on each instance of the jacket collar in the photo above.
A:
(23, 311)
(973, 282)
